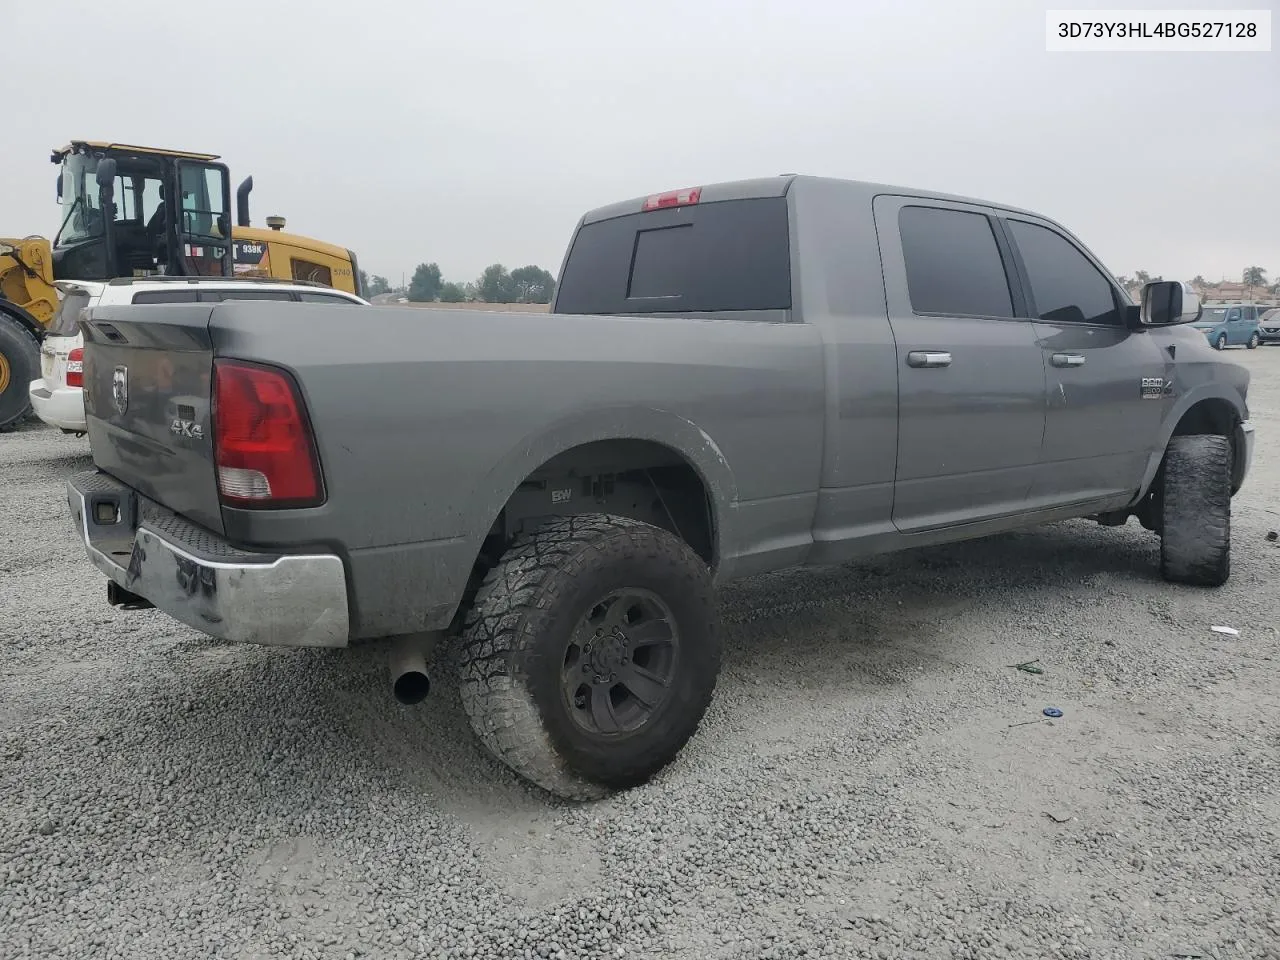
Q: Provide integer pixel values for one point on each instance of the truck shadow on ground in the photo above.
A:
(303, 721)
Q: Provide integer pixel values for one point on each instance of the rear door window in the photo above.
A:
(734, 255)
(953, 263)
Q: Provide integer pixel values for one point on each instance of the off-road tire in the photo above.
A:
(1221, 342)
(1195, 505)
(20, 366)
(1254, 340)
(514, 638)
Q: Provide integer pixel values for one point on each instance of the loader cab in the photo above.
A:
(137, 211)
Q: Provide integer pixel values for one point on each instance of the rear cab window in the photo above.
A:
(710, 257)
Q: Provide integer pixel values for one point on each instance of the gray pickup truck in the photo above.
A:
(734, 379)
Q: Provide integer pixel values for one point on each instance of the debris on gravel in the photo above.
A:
(865, 783)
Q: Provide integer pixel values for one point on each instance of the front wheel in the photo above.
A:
(1221, 342)
(1254, 340)
(591, 654)
(1195, 511)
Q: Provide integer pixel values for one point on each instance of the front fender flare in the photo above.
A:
(1197, 394)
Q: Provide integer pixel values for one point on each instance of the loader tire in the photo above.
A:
(1195, 505)
(19, 365)
(591, 654)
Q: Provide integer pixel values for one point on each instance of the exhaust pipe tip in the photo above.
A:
(411, 687)
(407, 660)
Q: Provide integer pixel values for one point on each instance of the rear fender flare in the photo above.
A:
(617, 423)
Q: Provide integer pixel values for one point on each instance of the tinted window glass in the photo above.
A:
(215, 295)
(165, 296)
(953, 263)
(732, 255)
(324, 298)
(661, 261)
(314, 272)
(1066, 286)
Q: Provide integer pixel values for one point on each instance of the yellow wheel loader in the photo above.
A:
(138, 211)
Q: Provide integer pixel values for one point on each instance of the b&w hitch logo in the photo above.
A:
(120, 389)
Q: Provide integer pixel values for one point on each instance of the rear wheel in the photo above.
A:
(19, 365)
(591, 654)
(1195, 510)
(1221, 342)
(1254, 340)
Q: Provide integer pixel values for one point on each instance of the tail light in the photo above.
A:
(265, 453)
(676, 198)
(75, 368)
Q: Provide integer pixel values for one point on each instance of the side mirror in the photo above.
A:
(1168, 302)
(59, 188)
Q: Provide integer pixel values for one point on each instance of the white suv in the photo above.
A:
(58, 398)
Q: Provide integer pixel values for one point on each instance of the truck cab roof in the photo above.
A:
(779, 186)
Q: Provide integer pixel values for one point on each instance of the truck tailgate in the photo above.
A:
(147, 383)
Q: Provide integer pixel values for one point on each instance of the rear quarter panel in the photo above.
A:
(426, 421)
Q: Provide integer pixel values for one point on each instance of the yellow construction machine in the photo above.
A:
(118, 220)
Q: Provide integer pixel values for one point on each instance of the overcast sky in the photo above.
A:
(468, 133)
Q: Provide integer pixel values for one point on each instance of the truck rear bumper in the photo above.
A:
(194, 576)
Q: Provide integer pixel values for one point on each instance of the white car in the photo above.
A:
(58, 398)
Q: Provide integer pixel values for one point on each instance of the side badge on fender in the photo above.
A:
(1156, 388)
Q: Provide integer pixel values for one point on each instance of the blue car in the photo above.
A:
(1230, 326)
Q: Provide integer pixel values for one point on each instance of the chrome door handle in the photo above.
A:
(1068, 360)
(928, 358)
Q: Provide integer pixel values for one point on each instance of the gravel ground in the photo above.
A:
(873, 779)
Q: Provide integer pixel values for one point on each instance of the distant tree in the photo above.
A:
(373, 286)
(1124, 280)
(425, 285)
(470, 291)
(453, 292)
(533, 284)
(1141, 276)
(1199, 281)
(1254, 277)
(495, 285)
